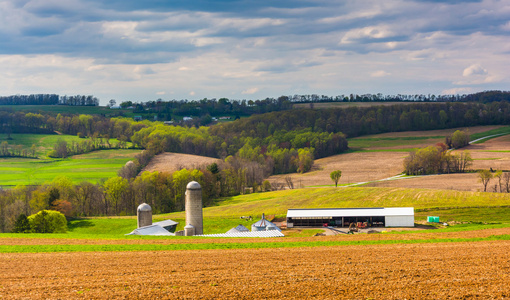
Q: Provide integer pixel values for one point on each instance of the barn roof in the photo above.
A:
(150, 230)
(351, 212)
(238, 228)
(165, 223)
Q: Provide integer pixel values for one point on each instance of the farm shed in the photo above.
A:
(343, 217)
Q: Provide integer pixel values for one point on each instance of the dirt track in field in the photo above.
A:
(479, 270)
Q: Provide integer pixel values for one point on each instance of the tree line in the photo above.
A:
(49, 99)
(164, 110)
(438, 159)
(357, 121)
(16, 150)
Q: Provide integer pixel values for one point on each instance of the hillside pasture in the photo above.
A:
(86, 167)
(170, 162)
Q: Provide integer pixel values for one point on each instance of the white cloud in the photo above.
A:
(455, 91)
(371, 32)
(475, 69)
(250, 91)
(380, 73)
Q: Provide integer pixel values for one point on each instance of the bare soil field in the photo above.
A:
(475, 270)
(170, 162)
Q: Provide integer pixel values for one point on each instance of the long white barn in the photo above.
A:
(342, 217)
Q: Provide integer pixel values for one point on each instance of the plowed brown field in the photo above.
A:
(479, 270)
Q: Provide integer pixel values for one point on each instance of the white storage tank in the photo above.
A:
(144, 215)
(194, 207)
(189, 230)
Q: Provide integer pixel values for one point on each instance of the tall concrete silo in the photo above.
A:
(194, 207)
(144, 215)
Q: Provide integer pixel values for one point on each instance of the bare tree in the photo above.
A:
(289, 182)
(506, 181)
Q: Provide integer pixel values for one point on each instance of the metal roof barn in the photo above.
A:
(342, 217)
(150, 230)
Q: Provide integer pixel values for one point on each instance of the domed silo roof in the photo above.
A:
(144, 207)
(263, 224)
(193, 185)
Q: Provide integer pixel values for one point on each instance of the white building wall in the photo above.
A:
(399, 221)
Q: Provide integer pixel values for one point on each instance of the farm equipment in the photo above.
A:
(355, 227)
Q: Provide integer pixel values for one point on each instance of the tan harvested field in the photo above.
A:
(494, 153)
(486, 155)
(170, 162)
(474, 270)
(371, 166)
(458, 182)
(355, 167)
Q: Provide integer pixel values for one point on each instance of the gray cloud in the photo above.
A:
(273, 37)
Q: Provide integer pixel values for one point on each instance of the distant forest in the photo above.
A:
(205, 108)
(49, 99)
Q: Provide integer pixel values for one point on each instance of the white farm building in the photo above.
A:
(343, 217)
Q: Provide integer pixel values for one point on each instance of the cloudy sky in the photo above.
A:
(250, 49)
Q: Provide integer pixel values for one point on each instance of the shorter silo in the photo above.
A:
(193, 206)
(144, 215)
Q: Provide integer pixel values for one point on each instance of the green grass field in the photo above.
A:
(43, 142)
(85, 167)
(502, 131)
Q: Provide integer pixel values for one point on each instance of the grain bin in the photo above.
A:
(144, 215)
(194, 206)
